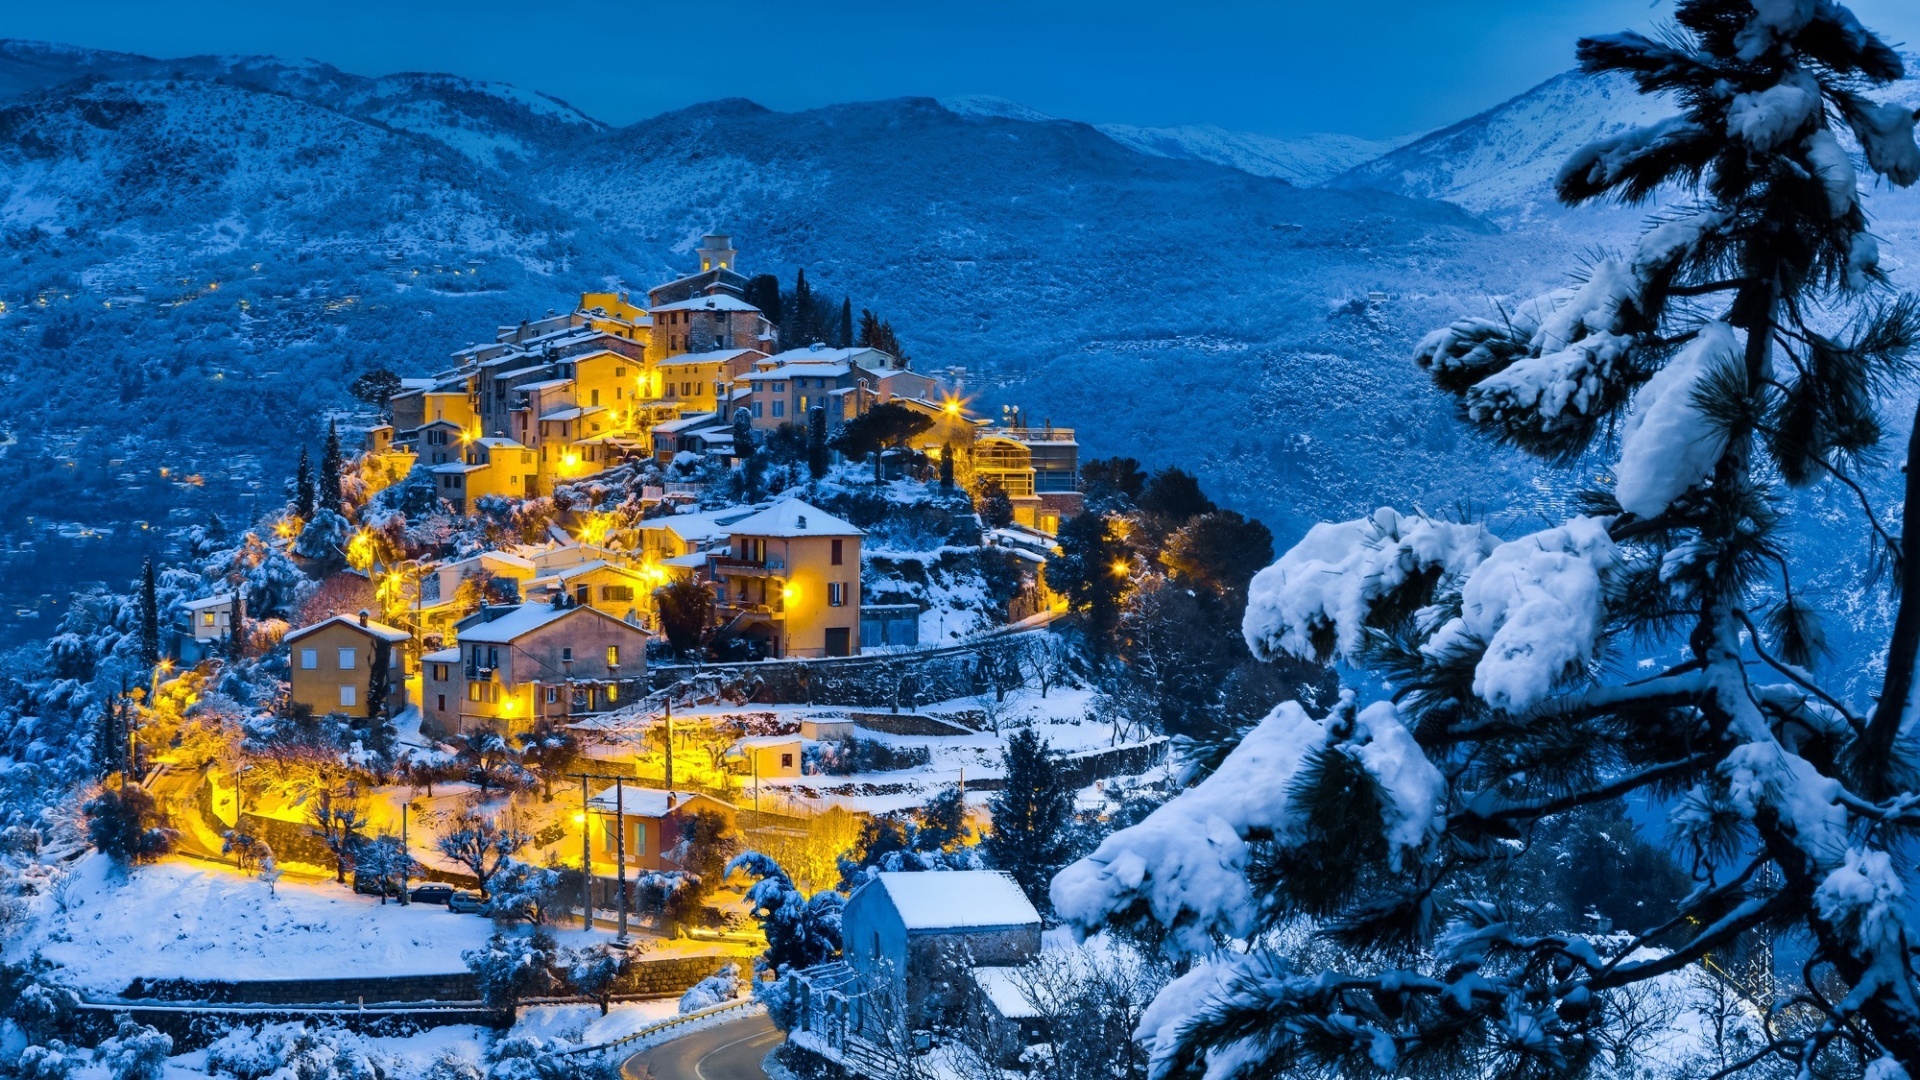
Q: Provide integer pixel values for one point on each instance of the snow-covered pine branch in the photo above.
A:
(1705, 365)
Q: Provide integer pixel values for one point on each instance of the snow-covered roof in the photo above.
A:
(415, 384)
(693, 560)
(768, 740)
(800, 371)
(956, 899)
(572, 413)
(794, 518)
(546, 384)
(645, 802)
(703, 525)
(572, 572)
(711, 356)
(685, 422)
(524, 620)
(460, 467)
(1003, 988)
(217, 600)
(517, 372)
(717, 302)
(821, 354)
(379, 630)
(444, 656)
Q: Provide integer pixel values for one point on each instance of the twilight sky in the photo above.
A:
(1284, 67)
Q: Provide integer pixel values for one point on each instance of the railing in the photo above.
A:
(1059, 434)
(743, 1006)
(749, 564)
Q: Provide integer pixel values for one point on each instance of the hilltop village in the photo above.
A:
(607, 632)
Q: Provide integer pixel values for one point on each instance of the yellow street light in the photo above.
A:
(1120, 568)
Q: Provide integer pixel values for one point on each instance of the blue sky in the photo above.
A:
(1364, 67)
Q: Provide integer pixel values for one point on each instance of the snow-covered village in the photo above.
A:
(1184, 557)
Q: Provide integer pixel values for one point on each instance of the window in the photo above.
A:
(756, 410)
(595, 398)
(613, 656)
(349, 696)
(621, 593)
(206, 619)
(346, 659)
(553, 694)
(442, 706)
(779, 407)
(836, 594)
(566, 655)
(838, 552)
(473, 691)
(309, 659)
(439, 673)
(786, 761)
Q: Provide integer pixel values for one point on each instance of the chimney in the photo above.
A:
(671, 800)
(363, 616)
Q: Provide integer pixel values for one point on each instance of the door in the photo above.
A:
(838, 641)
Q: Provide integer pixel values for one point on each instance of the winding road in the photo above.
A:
(729, 1051)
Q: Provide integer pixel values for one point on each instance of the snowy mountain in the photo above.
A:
(1307, 161)
(1502, 162)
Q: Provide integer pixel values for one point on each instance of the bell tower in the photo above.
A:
(716, 252)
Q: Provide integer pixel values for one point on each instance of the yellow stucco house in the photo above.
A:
(792, 577)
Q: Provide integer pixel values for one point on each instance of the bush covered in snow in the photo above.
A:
(716, 989)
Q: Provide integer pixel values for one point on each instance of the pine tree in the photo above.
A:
(237, 623)
(1030, 813)
(303, 494)
(332, 466)
(817, 442)
(1744, 347)
(149, 619)
(844, 337)
(110, 741)
(1089, 572)
(946, 467)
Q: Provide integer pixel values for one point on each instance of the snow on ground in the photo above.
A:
(180, 920)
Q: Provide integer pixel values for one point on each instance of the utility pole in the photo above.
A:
(620, 852)
(586, 860)
(669, 745)
(406, 854)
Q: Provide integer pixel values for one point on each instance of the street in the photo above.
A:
(729, 1051)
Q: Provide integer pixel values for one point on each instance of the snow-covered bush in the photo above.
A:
(801, 931)
(716, 989)
(54, 1061)
(135, 1051)
(512, 966)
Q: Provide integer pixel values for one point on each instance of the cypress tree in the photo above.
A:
(149, 619)
(763, 292)
(845, 337)
(946, 467)
(303, 487)
(379, 686)
(817, 442)
(1031, 813)
(802, 327)
(236, 624)
(332, 462)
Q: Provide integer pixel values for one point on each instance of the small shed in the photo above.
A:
(826, 728)
(1013, 1021)
(768, 756)
(900, 931)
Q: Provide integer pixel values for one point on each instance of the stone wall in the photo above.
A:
(195, 1029)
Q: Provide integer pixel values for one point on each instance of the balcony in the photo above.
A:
(729, 566)
(1034, 435)
(735, 610)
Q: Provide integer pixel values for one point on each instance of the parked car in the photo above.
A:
(373, 886)
(433, 892)
(465, 901)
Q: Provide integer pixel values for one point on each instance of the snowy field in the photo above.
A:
(179, 920)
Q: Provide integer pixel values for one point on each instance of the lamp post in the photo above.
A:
(406, 855)
(620, 853)
(586, 861)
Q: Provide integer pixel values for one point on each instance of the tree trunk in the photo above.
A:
(1903, 649)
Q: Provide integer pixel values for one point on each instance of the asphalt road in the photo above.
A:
(728, 1051)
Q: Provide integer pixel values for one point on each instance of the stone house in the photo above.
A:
(653, 820)
(906, 934)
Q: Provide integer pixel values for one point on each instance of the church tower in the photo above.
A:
(716, 252)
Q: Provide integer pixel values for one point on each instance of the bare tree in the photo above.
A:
(481, 844)
(338, 813)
